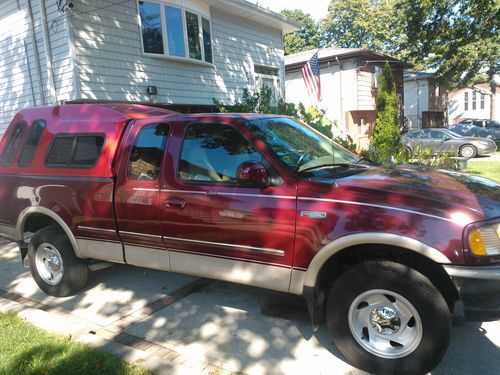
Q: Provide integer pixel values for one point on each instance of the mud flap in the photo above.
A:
(315, 298)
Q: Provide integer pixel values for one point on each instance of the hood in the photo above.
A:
(437, 192)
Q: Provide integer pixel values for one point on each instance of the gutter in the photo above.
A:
(48, 55)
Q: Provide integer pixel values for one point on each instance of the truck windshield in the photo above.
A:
(298, 145)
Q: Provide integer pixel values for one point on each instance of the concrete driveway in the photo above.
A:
(221, 327)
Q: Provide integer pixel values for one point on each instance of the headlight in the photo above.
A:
(485, 143)
(484, 241)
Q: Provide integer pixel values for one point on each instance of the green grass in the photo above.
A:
(486, 169)
(27, 350)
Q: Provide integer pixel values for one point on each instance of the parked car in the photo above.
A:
(384, 254)
(469, 130)
(445, 141)
(491, 125)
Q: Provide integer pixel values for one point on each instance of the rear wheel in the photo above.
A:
(467, 151)
(54, 266)
(388, 318)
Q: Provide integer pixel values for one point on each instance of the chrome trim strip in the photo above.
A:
(82, 227)
(376, 205)
(483, 273)
(184, 191)
(146, 189)
(140, 234)
(222, 193)
(369, 238)
(260, 250)
(256, 195)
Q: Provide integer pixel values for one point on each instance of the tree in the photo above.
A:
(386, 135)
(306, 38)
(458, 39)
(361, 23)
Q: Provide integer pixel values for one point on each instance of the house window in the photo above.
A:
(268, 76)
(466, 101)
(473, 100)
(482, 101)
(174, 31)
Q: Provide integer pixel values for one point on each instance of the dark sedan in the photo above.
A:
(445, 141)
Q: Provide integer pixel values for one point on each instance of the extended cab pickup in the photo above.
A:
(384, 254)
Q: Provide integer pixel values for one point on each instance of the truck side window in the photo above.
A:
(13, 143)
(78, 150)
(213, 152)
(31, 144)
(147, 152)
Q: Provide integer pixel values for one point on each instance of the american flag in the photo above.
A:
(310, 72)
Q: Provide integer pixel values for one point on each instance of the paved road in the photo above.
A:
(231, 327)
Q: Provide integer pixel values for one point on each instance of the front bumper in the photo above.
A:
(479, 289)
(486, 149)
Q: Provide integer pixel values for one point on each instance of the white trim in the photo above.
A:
(259, 250)
(100, 249)
(247, 273)
(146, 257)
(376, 205)
(369, 238)
(297, 281)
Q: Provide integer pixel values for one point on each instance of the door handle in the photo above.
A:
(175, 202)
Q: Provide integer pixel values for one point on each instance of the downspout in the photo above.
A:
(26, 57)
(74, 62)
(342, 116)
(38, 67)
(48, 55)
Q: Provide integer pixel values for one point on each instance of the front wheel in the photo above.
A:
(54, 265)
(386, 317)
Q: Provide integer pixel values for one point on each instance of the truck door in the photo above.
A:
(216, 227)
(137, 194)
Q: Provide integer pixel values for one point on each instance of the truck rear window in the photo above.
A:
(13, 143)
(31, 144)
(78, 151)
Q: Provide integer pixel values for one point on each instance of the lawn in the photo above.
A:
(486, 169)
(25, 349)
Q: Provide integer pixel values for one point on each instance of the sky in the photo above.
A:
(317, 8)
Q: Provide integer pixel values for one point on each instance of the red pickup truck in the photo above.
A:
(384, 254)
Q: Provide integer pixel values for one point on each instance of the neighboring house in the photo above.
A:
(348, 86)
(425, 100)
(472, 103)
(179, 52)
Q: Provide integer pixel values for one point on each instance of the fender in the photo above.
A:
(24, 215)
(364, 239)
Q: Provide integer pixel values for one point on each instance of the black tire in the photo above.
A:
(468, 151)
(430, 306)
(74, 272)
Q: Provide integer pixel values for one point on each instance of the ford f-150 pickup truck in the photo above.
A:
(383, 254)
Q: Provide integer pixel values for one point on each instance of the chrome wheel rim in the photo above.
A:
(385, 323)
(49, 264)
(467, 151)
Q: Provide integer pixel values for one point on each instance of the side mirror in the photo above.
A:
(252, 173)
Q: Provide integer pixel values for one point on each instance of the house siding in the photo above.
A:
(20, 70)
(111, 65)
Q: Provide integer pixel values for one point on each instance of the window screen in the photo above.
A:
(75, 151)
(13, 144)
(31, 144)
(145, 157)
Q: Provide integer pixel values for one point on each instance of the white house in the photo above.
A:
(472, 102)
(179, 52)
(348, 86)
(425, 100)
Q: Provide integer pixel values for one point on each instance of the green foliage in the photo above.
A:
(361, 23)
(307, 38)
(386, 142)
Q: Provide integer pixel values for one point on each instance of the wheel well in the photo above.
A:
(346, 258)
(36, 222)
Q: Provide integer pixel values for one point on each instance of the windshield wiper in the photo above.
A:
(341, 165)
(367, 161)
